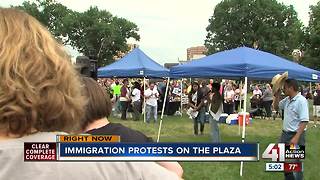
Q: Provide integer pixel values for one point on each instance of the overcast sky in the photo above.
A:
(167, 27)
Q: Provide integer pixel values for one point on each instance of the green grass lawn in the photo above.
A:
(180, 129)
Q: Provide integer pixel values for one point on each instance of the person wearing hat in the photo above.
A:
(277, 83)
(296, 118)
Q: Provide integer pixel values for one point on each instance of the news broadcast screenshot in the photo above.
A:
(159, 90)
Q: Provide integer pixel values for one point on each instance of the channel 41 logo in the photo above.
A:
(279, 152)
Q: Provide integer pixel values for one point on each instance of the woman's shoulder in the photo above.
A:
(35, 137)
(126, 134)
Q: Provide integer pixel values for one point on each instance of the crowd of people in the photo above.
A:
(232, 93)
(130, 97)
(261, 98)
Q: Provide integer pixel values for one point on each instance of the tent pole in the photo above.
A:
(144, 99)
(165, 98)
(181, 98)
(240, 96)
(163, 107)
(244, 118)
(241, 110)
(310, 86)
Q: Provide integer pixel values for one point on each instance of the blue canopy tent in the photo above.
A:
(244, 62)
(134, 64)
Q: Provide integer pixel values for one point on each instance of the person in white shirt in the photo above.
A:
(229, 100)
(136, 101)
(238, 98)
(257, 91)
(237, 94)
(151, 95)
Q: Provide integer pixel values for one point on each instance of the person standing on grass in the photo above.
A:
(215, 110)
(136, 101)
(151, 96)
(296, 118)
(316, 105)
(116, 90)
(196, 102)
(236, 97)
(205, 90)
(229, 100)
(124, 99)
(267, 98)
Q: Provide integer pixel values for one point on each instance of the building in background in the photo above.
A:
(169, 65)
(196, 52)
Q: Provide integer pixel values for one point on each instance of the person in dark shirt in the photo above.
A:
(124, 99)
(197, 102)
(316, 105)
(205, 91)
(96, 121)
(215, 110)
(126, 134)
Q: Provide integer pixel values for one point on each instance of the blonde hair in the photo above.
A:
(39, 88)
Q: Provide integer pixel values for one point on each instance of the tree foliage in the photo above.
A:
(312, 49)
(50, 13)
(96, 33)
(273, 26)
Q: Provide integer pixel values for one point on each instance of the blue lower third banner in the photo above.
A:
(158, 152)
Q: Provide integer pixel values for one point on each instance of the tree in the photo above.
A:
(274, 27)
(50, 13)
(312, 53)
(95, 33)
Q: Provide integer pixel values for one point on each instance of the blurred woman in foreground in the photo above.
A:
(96, 122)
